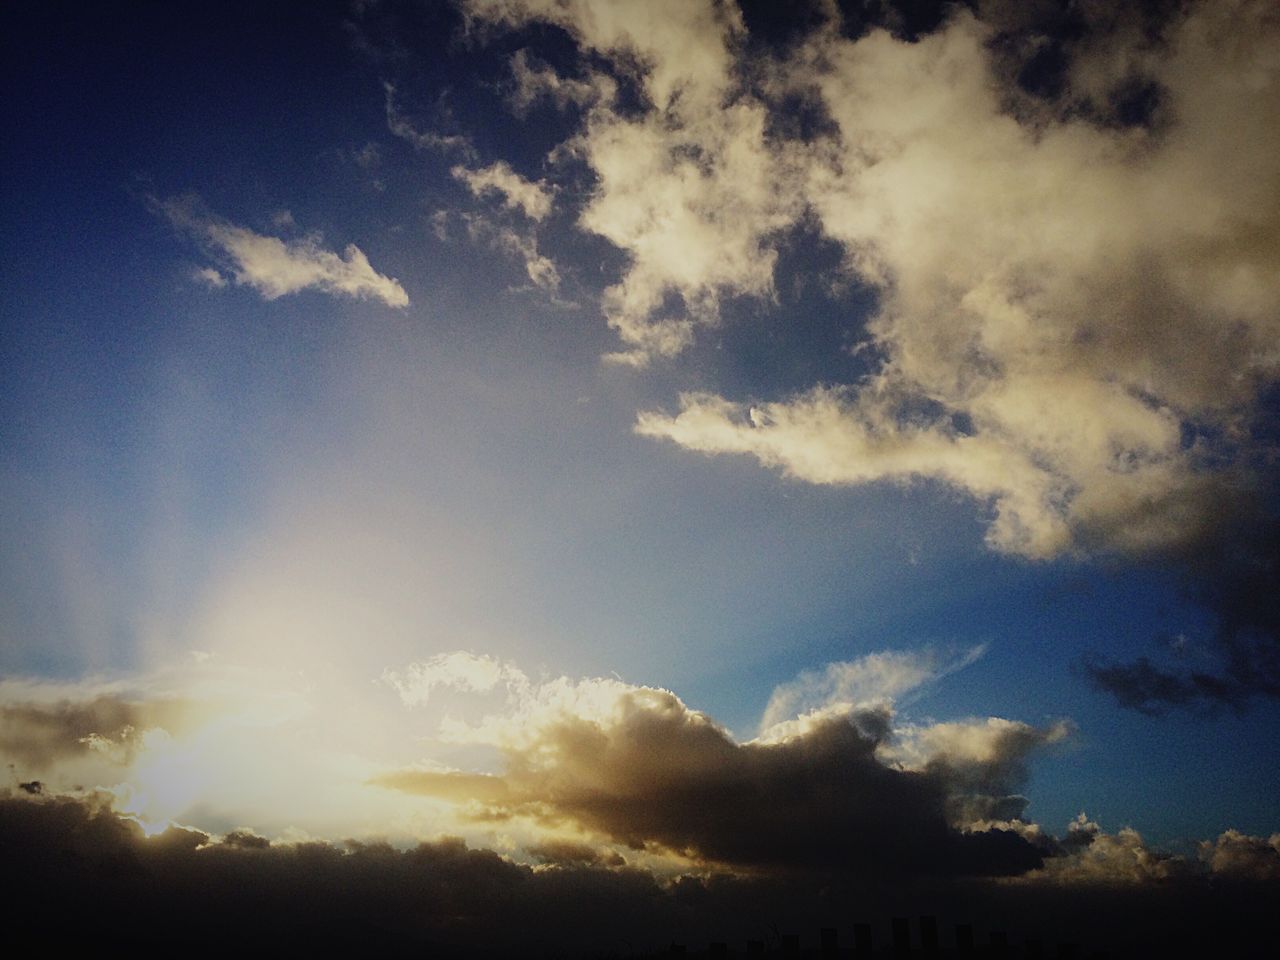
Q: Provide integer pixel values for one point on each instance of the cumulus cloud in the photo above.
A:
(662, 775)
(1024, 271)
(1090, 856)
(982, 761)
(1087, 360)
(834, 788)
(688, 189)
(1240, 856)
(209, 277)
(530, 198)
(275, 267)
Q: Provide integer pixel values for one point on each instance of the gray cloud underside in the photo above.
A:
(185, 890)
(662, 776)
(35, 737)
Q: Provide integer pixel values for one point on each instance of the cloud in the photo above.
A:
(1235, 572)
(275, 267)
(637, 767)
(37, 735)
(679, 51)
(982, 762)
(1091, 363)
(1000, 375)
(1240, 856)
(1093, 857)
(540, 269)
(536, 81)
(531, 199)
(870, 682)
(400, 126)
(209, 277)
(447, 899)
(688, 189)
(458, 670)
(568, 852)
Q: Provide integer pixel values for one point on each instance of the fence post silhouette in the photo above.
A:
(964, 939)
(830, 942)
(929, 936)
(755, 946)
(901, 936)
(790, 945)
(999, 945)
(862, 939)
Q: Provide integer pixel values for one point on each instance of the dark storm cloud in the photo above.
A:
(90, 879)
(658, 775)
(1235, 573)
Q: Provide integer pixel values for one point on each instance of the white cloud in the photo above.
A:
(688, 190)
(1053, 328)
(276, 268)
(209, 277)
(540, 269)
(1059, 321)
(681, 47)
(1094, 857)
(1242, 857)
(840, 437)
(458, 670)
(531, 199)
(873, 681)
(535, 81)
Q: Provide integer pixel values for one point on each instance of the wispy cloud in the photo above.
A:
(530, 198)
(458, 670)
(874, 681)
(276, 267)
(402, 127)
(540, 269)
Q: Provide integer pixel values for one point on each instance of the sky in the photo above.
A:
(647, 441)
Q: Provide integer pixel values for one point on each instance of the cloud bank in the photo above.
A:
(607, 800)
(448, 899)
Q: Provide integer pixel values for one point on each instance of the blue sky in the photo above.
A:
(201, 468)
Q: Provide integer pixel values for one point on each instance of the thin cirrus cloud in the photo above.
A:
(275, 267)
(1085, 359)
(870, 681)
